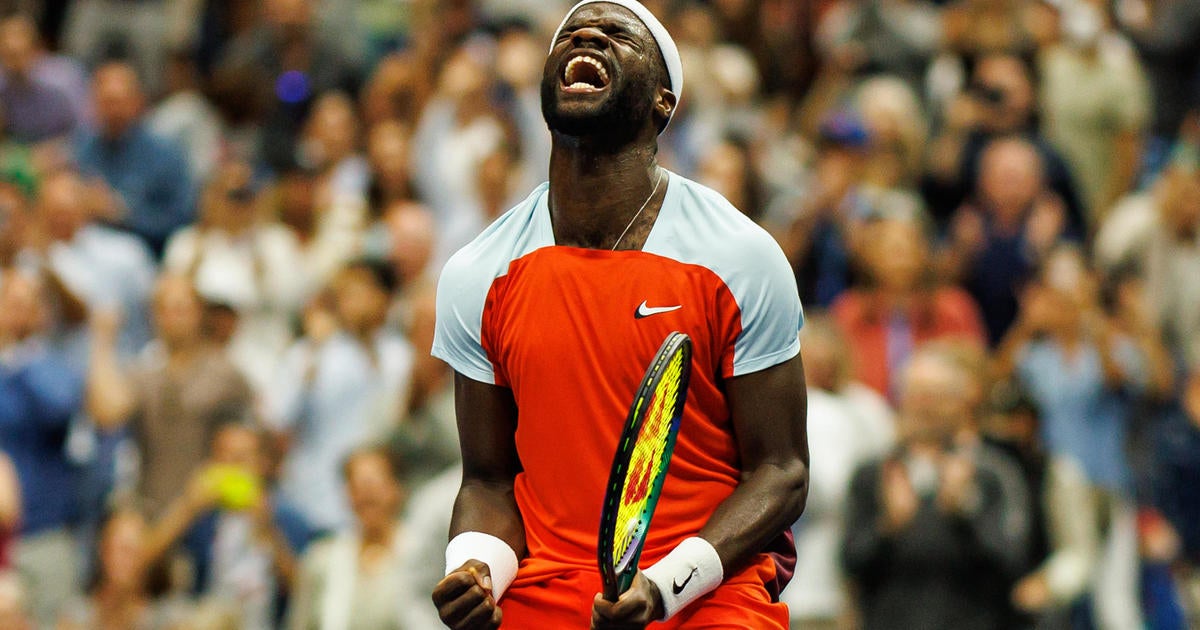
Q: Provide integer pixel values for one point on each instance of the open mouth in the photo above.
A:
(584, 74)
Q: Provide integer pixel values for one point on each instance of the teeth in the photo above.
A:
(590, 61)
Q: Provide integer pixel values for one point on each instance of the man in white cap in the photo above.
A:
(549, 319)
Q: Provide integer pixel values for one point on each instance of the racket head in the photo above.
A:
(640, 464)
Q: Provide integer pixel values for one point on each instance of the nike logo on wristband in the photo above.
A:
(677, 588)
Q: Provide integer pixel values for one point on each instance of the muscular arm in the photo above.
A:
(770, 410)
(487, 424)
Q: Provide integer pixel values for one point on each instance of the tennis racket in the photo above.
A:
(640, 465)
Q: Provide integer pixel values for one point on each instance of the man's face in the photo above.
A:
(361, 303)
(934, 401)
(602, 75)
(118, 99)
(18, 46)
(177, 310)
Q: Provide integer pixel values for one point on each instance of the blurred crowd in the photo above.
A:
(222, 221)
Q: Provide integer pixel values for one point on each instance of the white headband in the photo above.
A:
(666, 45)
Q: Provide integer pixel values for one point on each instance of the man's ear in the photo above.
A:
(664, 104)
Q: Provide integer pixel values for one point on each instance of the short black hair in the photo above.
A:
(381, 273)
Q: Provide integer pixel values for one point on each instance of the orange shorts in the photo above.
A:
(564, 601)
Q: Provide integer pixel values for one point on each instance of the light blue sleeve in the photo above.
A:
(457, 338)
(769, 302)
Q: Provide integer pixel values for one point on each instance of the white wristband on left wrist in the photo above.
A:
(691, 571)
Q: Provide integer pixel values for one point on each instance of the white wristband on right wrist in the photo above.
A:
(495, 553)
(691, 571)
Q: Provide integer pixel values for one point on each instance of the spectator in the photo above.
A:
(1062, 542)
(39, 395)
(822, 231)
(341, 386)
(242, 540)
(99, 30)
(849, 438)
(356, 580)
(172, 399)
(729, 168)
(187, 119)
(974, 28)
(397, 90)
(1157, 233)
(146, 176)
(457, 131)
(240, 259)
(1167, 37)
(519, 62)
(900, 305)
(118, 598)
(877, 37)
(1000, 102)
(34, 110)
(1096, 105)
(926, 541)
(1178, 465)
(88, 263)
(998, 240)
(329, 232)
(391, 178)
(1082, 372)
(291, 65)
(330, 142)
(892, 115)
(425, 521)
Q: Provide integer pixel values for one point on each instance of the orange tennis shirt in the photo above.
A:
(571, 331)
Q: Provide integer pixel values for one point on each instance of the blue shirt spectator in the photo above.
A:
(148, 174)
(39, 394)
(1082, 416)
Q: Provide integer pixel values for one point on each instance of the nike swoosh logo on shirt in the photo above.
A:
(677, 588)
(647, 311)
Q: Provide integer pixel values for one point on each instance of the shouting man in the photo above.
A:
(550, 318)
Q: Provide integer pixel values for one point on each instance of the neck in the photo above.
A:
(182, 350)
(116, 595)
(594, 193)
(378, 535)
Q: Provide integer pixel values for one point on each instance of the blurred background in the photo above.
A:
(221, 225)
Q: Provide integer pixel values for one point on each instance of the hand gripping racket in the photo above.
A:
(640, 465)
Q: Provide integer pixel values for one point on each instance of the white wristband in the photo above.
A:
(495, 553)
(691, 571)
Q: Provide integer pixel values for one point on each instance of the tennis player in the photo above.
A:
(550, 318)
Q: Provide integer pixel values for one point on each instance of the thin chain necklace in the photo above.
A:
(639, 212)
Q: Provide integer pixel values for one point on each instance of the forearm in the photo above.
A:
(1124, 171)
(286, 566)
(765, 504)
(173, 524)
(109, 396)
(489, 507)
(1005, 362)
(1160, 370)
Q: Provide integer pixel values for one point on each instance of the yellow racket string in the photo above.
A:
(646, 462)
